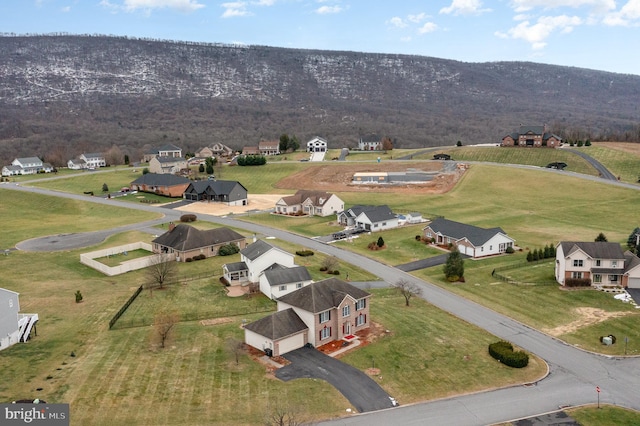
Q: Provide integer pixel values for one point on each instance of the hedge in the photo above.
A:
(577, 282)
(503, 352)
(304, 253)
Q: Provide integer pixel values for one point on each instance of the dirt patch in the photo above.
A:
(237, 290)
(258, 202)
(338, 178)
(216, 321)
(588, 316)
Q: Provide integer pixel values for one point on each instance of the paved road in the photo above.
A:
(573, 373)
(604, 172)
(361, 390)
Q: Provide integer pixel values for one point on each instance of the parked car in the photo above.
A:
(339, 235)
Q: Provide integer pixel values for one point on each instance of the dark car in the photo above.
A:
(557, 165)
(339, 235)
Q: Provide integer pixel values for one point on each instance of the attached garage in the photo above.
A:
(277, 334)
(634, 282)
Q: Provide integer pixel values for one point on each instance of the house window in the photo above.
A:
(614, 263)
(346, 311)
(577, 263)
(613, 278)
(361, 304)
(282, 288)
(597, 278)
(576, 275)
(361, 320)
(598, 262)
(325, 333)
(299, 285)
(428, 234)
(490, 248)
(324, 316)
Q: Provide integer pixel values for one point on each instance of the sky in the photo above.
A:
(595, 34)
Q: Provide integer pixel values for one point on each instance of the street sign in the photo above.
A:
(598, 389)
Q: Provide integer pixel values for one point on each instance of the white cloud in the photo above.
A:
(417, 18)
(428, 27)
(235, 9)
(596, 5)
(397, 22)
(181, 5)
(537, 34)
(464, 7)
(326, 10)
(628, 13)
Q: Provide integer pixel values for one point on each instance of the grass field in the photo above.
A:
(622, 159)
(122, 377)
(534, 157)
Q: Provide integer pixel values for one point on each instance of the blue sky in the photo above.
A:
(596, 34)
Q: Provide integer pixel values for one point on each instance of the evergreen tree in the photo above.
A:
(529, 257)
(632, 241)
(454, 267)
(380, 242)
(601, 238)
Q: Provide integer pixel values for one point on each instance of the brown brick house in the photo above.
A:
(532, 136)
(186, 241)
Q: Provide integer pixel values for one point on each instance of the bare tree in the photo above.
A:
(163, 323)
(282, 415)
(329, 263)
(161, 269)
(235, 347)
(407, 290)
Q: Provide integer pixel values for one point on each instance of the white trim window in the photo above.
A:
(324, 317)
(325, 333)
(346, 311)
(361, 320)
(283, 287)
(361, 304)
(578, 263)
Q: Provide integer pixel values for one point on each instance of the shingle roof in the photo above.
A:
(170, 159)
(595, 249)
(29, 160)
(322, 295)
(256, 249)
(630, 260)
(538, 130)
(287, 275)
(236, 266)
(218, 187)
(185, 237)
(476, 236)
(278, 325)
(157, 179)
(379, 213)
(318, 198)
(93, 155)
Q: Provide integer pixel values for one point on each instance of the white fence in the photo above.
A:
(126, 266)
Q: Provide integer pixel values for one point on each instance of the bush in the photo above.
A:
(199, 257)
(336, 272)
(577, 282)
(78, 296)
(188, 259)
(228, 250)
(380, 242)
(503, 352)
(304, 253)
(510, 250)
(323, 268)
(188, 218)
(418, 238)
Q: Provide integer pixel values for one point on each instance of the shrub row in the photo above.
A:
(304, 253)
(198, 257)
(188, 218)
(503, 352)
(577, 282)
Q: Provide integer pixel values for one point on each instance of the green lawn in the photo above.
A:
(85, 181)
(534, 157)
(623, 164)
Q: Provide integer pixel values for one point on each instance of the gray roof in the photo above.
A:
(595, 249)
(169, 160)
(159, 179)
(185, 237)
(322, 295)
(29, 160)
(476, 236)
(630, 260)
(318, 198)
(278, 325)
(219, 187)
(538, 130)
(255, 250)
(236, 266)
(93, 155)
(278, 276)
(379, 213)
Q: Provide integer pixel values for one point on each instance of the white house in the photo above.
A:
(26, 166)
(167, 165)
(470, 240)
(312, 203)
(602, 263)
(317, 144)
(94, 160)
(277, 282)
(256, 258)
(370, 142)
(14, 327)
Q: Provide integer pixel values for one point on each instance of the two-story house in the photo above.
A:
(269, 147)
(532, 136)
(256, 258)
(26, 166)
(319, 313)
(168, 150)
(312, 203)
(603, 263)
(14, 326)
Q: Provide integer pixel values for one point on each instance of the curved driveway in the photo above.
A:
(574, 374)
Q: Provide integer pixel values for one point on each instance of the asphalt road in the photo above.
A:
(361, 390)
(573, 373)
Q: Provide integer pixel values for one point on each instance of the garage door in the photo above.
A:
(291, 343)
(634, 282)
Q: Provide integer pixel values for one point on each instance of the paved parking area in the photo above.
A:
(361, 390)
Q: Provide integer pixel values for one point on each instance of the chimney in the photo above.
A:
(172, 226)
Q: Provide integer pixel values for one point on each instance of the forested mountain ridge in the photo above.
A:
(62, 95)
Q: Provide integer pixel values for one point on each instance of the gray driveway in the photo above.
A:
(361, 390)
(441, 259)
